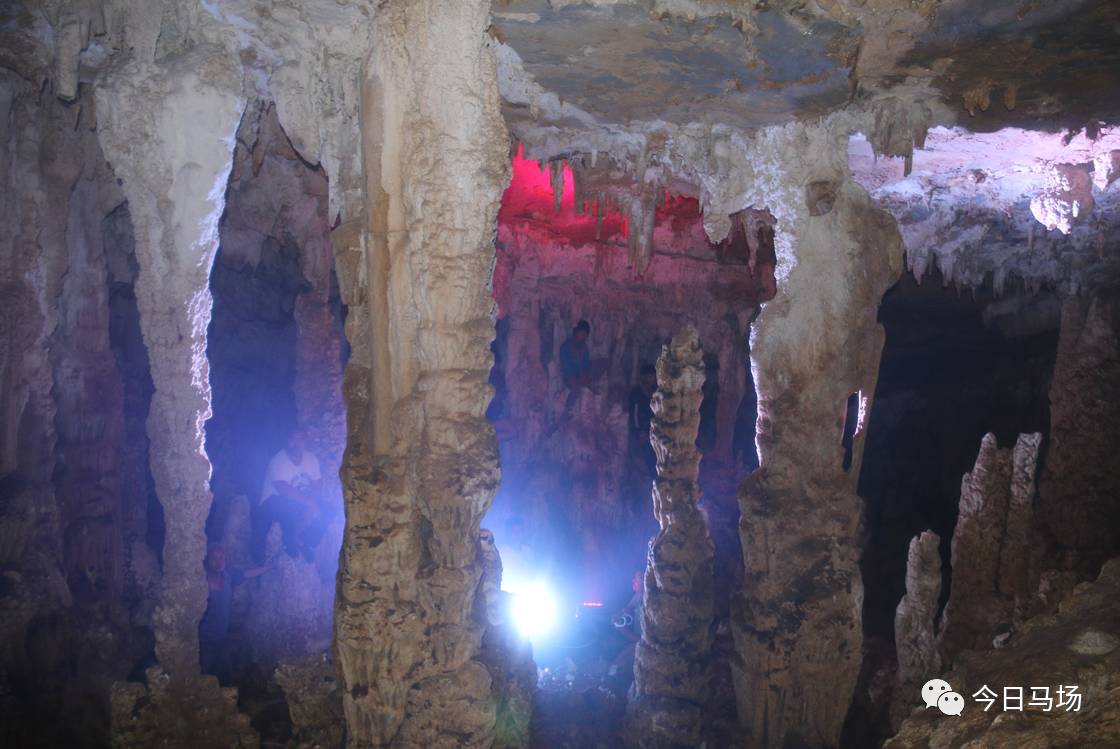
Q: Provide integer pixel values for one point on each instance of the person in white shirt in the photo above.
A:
(291, 496)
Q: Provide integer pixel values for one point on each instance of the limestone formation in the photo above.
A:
(176, 193)
(421, 464)
(798, 625)
(672, 666)
(179, 713)
(990, 592)
(1079, 490)
(915, 635)
(1045, 655)
(314, 702)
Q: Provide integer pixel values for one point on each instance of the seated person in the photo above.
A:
(214, 627)
(576, 366)
(291, 496)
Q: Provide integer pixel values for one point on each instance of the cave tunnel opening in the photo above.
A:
(955, 366)
(276, 350)
(574, 512)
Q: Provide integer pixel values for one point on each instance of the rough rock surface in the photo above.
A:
(1078, 645)
(314, 702)
(1078, 513)
(672, 664)
(176, 193)
(990, 588)
(797, 628)
(421, 464)
(188, 712)
(915, 635)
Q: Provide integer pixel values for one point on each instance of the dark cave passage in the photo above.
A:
(276, 351)
(955, 366)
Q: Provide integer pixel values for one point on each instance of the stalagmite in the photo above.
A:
(991, 542)
(798, 625)
(672, 667)
(421, 465)
(914, 634)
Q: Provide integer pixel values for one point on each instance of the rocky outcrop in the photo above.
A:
(672, 666)
(1078, 514)
(991, 547)
(188, 712)
(1077, 646)
(314, 703)
(798, 624)
(421, 464)
(915, 635)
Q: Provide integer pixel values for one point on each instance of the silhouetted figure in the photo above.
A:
(576, 366)
(214, 627)
(640, 413)
(292, 497)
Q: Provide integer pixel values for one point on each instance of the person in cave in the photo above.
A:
(640, 413)
(576, 366)
(292, 497)
(213, 630)
(628, 623)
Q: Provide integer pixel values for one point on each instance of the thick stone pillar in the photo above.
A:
(421, 465)
(169, 133)
(1079, 489)
(672, 666)
(798, 624)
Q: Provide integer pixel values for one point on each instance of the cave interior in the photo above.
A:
(560, 373)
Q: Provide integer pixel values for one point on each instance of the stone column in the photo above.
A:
(1079, 488)
(169, 134)
(798, 623)
(672, 666)
(421, 465)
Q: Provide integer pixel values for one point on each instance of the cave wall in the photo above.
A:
(575, 474)
(79, 577)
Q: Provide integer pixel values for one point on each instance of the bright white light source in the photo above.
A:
(534, 611)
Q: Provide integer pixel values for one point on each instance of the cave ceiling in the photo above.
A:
(994, 63)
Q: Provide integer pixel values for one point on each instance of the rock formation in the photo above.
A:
(1078, 513)
(915, 635)
(750, 169)
(1077, 646)
(991, 547)
(798, 625)
(421, 464)
(672, 665)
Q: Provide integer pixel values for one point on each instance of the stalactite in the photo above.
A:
(672, 668)
(556, 174)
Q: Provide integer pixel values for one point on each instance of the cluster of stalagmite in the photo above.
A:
(991, 547)
(421, 465)
(672, 665)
